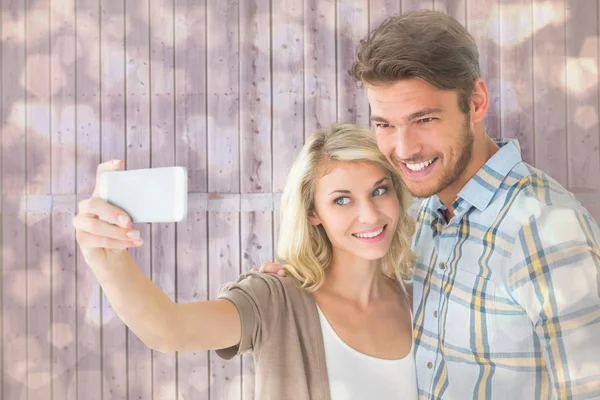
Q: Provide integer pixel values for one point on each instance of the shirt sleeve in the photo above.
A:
(555, 276)
(259, 299)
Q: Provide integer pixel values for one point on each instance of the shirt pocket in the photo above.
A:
(471, 320)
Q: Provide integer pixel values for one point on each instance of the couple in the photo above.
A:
(505, 297)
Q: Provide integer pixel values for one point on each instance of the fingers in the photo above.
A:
(272, 268)
(98, 227)
(112, 165)
(88, 241)
(97, 207)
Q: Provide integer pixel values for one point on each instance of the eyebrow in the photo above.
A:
(415, 115)
(379, 182)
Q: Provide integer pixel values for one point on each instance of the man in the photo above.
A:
(506, 293)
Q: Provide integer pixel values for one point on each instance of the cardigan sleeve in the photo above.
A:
(259, 299)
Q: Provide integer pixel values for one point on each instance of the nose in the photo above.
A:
(407, 144)
(368, 212)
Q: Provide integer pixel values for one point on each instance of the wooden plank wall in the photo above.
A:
(230, 90)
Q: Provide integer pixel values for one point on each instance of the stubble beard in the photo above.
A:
(465, 153)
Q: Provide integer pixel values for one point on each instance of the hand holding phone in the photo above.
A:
(150, 195)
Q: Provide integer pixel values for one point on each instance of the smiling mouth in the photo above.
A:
(370, 235)
(416, 167)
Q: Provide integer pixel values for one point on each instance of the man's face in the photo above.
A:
(423, 133)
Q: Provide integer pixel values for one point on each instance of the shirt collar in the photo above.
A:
(482, 187)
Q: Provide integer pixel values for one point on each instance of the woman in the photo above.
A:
(338, 327)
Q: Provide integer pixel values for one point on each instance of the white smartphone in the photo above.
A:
(147, 195)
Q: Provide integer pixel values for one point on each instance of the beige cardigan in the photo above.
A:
(280, 326)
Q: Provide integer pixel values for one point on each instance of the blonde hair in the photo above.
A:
(304, 249)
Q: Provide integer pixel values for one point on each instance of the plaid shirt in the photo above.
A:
(507, 294)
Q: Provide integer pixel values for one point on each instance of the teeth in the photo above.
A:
(369, 235)
(420, 166)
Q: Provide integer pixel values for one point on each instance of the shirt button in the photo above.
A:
(442, 265)
(429, 365)
(435, 314)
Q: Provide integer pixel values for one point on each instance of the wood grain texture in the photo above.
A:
(582, 96)
(14, 302)
(64, 300)
(409, 5)
(353, 25)
(288, 87)
(454, 8)
(223, 58)
(39, 318)
(516, 72)
(483, 25)
(224, 264)
(137, 100)
(255, 96)
(549, 90)
(190, 91)
(162, 122)
(255, 144)
(112, 80)
(191, 152)
(223, 96)
(192, 285)
(380, 10)
(320, 92)
(37, 81)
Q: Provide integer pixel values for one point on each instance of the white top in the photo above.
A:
(354, 375)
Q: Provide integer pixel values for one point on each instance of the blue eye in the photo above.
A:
(380, 191)
(342, 201)
(383, 126)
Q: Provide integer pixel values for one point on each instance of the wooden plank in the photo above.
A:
(62, 87)
(39, 270)
(37, 80)
(14, 301)
(137, 42)
(320, 95)
(255, 99)
(454, 8)
(549, 89)
(193, 380)
(162, 123)
(353, 25)
(483, 24)
(380, 10)
(111, 75)
(223, 170)
(257, 248)
(64, 300)
(516, 73)
(112, 79)
(255, 131)
(90, 376)
(223, 92)
(14, 182)
(190, 100)
(288, 87)
(190, 132)
(582, 96)
(224, 262)
(410, 5)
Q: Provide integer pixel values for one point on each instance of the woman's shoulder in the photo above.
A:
(271, 285)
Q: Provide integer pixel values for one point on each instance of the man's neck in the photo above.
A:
(481, 155)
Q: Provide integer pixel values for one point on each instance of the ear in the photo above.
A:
(313, 218)
(479, 100)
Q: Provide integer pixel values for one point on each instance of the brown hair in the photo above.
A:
(425, 44)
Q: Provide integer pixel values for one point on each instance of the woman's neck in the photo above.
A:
(357, 280)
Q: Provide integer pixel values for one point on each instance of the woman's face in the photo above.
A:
(357, 205)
